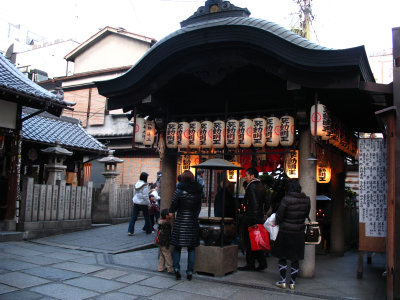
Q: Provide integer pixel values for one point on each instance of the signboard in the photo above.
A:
(372, 181)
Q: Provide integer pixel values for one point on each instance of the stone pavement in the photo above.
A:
(100, 264)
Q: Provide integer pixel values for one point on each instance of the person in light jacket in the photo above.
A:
(141, 202)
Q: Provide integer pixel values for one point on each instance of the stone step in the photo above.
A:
(11, 236)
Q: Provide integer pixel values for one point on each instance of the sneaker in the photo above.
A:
(291, 286)
(131, 234)
(281, 284)
(246, 268)
(189, 277)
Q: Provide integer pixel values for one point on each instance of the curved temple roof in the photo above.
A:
(265, 36)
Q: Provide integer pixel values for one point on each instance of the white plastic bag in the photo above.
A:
(271, 227)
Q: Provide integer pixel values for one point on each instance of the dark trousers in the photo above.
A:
(145, 210)
(252, 256)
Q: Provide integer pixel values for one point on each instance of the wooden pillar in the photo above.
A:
(337, 205)
(13, 193)
(395, 238)
(307, 170)
(168, 179)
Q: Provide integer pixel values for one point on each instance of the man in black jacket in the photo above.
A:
(257, 204)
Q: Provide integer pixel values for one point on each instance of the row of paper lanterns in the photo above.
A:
(244, 133)
(331, 129)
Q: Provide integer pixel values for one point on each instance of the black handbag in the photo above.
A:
(312, 233)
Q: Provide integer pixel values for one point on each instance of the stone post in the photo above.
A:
(307, 180)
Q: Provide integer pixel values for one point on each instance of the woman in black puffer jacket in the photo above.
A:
(186, 201)
(289, 245)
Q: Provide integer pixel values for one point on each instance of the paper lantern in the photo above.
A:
(245, 133)
(183, 135)
(171, 135)
(231, 175)
(292, 164)
(273, 131)
(139, 130)
(218, 134)
(323, 173)
(320, 118)
(232, 133)
(206, 137)
(259, 132)
(150, 130)
(323, 169)
(188, 161)
(287, 131)
(194, 134)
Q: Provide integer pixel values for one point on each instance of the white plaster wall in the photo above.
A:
(110, 52)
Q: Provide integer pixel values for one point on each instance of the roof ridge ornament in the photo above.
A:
(214, 9)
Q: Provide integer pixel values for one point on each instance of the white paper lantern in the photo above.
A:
(194, 134)
(150, 132)
(218, 134)
(273, 132)
(139, 130)
(259, 132)
(232, 133)
(245, 133)
(292, 164)
(206, 137)
(321, 118)
(287, 131)
(172, 130)
(183, 135)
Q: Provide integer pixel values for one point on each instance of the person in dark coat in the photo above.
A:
(256, 203)
(294, 208)
(186, 202)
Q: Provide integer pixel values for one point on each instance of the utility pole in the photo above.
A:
(305, 19)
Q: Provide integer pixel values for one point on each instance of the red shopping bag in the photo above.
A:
(259, 238)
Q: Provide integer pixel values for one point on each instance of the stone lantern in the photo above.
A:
(55, 167)
(110, 167)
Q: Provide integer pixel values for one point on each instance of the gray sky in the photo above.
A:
(338, 24)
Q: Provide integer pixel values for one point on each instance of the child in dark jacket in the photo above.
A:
(164, 237)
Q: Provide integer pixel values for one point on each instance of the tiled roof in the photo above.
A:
(45, 128)
(13, 80)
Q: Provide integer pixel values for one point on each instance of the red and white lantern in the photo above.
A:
(259, 132)
(171, 136)
(320, 119)
(139, 130)
(206, 136)
(287, 131)
(245, 133)
(150, 131)
(194, 134)
(183, 135)
(273, 132)
(232, 133)
(218, 134)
